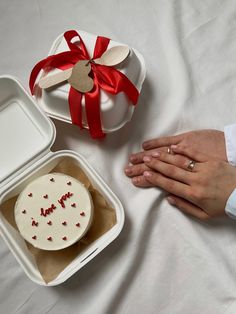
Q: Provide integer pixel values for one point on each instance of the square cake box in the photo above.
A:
(26, 137)
(116, 110)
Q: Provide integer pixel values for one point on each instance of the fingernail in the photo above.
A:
(135, 180)
(156, 154)
(132, 158)
(171, 200)
(145, 145)
(128, 171)
(147, 174)
(147, 158)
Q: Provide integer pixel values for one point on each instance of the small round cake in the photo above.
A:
(53, 211)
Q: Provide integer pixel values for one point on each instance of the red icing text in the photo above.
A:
(34, 223)
(64, 198)
(48, 211)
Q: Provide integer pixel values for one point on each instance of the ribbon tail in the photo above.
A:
(92, 106)
(128, 88)
(35, 72)
(74, 100)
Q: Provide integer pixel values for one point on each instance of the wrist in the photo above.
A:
(230, 207)
(230, 143)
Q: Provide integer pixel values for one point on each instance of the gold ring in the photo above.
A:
(191, 165)
(168, 150)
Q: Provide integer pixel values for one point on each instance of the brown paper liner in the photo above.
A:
(52, 263)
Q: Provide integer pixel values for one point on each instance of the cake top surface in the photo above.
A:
(53, 211)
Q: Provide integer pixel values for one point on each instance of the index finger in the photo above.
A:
(161, 141)
(138, 157)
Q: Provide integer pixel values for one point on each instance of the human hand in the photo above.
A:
(202, 192)
(211, 142)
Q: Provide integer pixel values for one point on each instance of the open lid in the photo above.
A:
(26, 133)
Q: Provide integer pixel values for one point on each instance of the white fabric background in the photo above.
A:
(163, 262)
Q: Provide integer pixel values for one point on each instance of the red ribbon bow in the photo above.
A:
(105, 77)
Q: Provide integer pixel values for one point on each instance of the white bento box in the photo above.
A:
(116, 110)
(26, 137)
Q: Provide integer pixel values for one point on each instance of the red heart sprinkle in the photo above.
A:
(49, 222)
(64, 223)
(78, 224)
(73, 205)
(82, 214)
(52, 180)
(30, 194)
(24, 211)
(69, 183)
(45, 196)
(64, 238)
(34, 237)
(49, 238)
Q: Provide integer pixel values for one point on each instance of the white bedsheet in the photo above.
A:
(163, 262)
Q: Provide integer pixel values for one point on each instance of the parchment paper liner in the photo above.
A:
(52, 263)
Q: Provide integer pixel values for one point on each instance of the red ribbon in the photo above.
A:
(107, 78)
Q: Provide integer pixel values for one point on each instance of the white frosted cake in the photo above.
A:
(53, 211)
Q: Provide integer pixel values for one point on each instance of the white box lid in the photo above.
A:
(115, 110)
(26, 133)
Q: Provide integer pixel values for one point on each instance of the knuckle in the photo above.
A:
(153, 163)
(171, 170)
(191, 195)
(201, 180)
(170, 186)
(136, 170)
(183, 147)
(155, 178)
(183, 162)
(216, 164)
(197, 194)
(220, 164)
(161, 154)
(139, 168)
(140, 156)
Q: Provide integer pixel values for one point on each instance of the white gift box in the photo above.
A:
(116, 110)
(26, 137)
